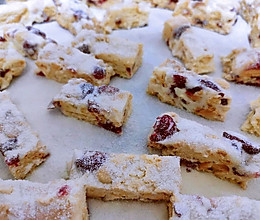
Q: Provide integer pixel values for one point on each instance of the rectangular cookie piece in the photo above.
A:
(20, 146)
(228, 155)
(60, 199)
(252, 123)
(201, 95)
(242, 66)
(226, 207)
(111, 176)
(187, 44)
(215, 15)
(105, 106)
(11, 63)
(27, 40)
(62, 63)
(124, 56)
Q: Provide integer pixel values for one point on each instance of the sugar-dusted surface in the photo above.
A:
(62, 134)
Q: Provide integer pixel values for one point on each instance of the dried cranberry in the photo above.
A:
(128, 69)
(86, 89)
(2, 39)
(98, 2)
(40, 74)
(224, 102)
(79, 14)
(236, 172)
(99, 72)
(163, 127)
(84, 48)
(30, 49)
(189, 164)
(180, 81)
(3, 72)
(118, 21)
(209, 84)
(91, 161)
(64, 191)
(179, 31)
(109, 90)
(36, 31)
(255, 66)
(221, 94)
(13, 161)
(93, 107)
(174, 1)
(200, 22)
(191, 92)
(10, 144)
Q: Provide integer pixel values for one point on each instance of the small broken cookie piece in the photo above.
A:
(228, 155)
(216, 15)
(187, 44)
(104, 106)
(11, 63)
(112, 176)
(27, 40)
(124, 56)
(20, 146)
(62, 63)
(226, 207)
(242, 66)
(201, 95)
(59, 199)
(252, 123)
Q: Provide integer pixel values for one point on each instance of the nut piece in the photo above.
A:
(104, 177)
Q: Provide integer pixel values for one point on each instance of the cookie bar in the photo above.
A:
(226, 207)
(11, 63)
(187, 44)
(215, 15)
(242, 66)
(228, 155)
(105, 106)
(27, 40)
(252, 123)
(60, 199)
(62, 63)
(111, 176)
(124, 56)
(201, 95)
(19, 145)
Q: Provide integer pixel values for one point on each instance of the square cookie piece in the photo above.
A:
(215, 15)
(252, 123)
(22, 199)
(187, 44)
(11, 63)
(228, 155)
(201, 95)
(20, 146)
(242, 66)
(124, 56)
(226, 207)
(126, 176)
(105, 106)
(62, 63)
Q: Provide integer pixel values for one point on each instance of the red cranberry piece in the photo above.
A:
(209, 84)
(163, 127)
(236, 172)
(174, 1)
(109, 90)
(29, 48)
(255, 66)
(3, 72)
(224, 102)
(110, 127)
(97, 2)
(200, 22)
(64, 191)
(192, 91)
(40, 74)
(93, 107)
(179, 31)
(180, 81)
(86, 89)
(91, 161)
(36, 31)
(99, 72)
(13, 161)
(10, 144)
(2, 39)
(84, 48)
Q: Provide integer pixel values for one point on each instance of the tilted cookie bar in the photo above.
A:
(62, 63)
(19, 145)
(242, 66)
(228, 155)
(252, 123)
(124, 56)
(215, 15)
(187, 44)
(201, 95)
(227, 207)
(60, 199)
(11, 63)
(105, 106)
(27, 40)
(111, 176)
